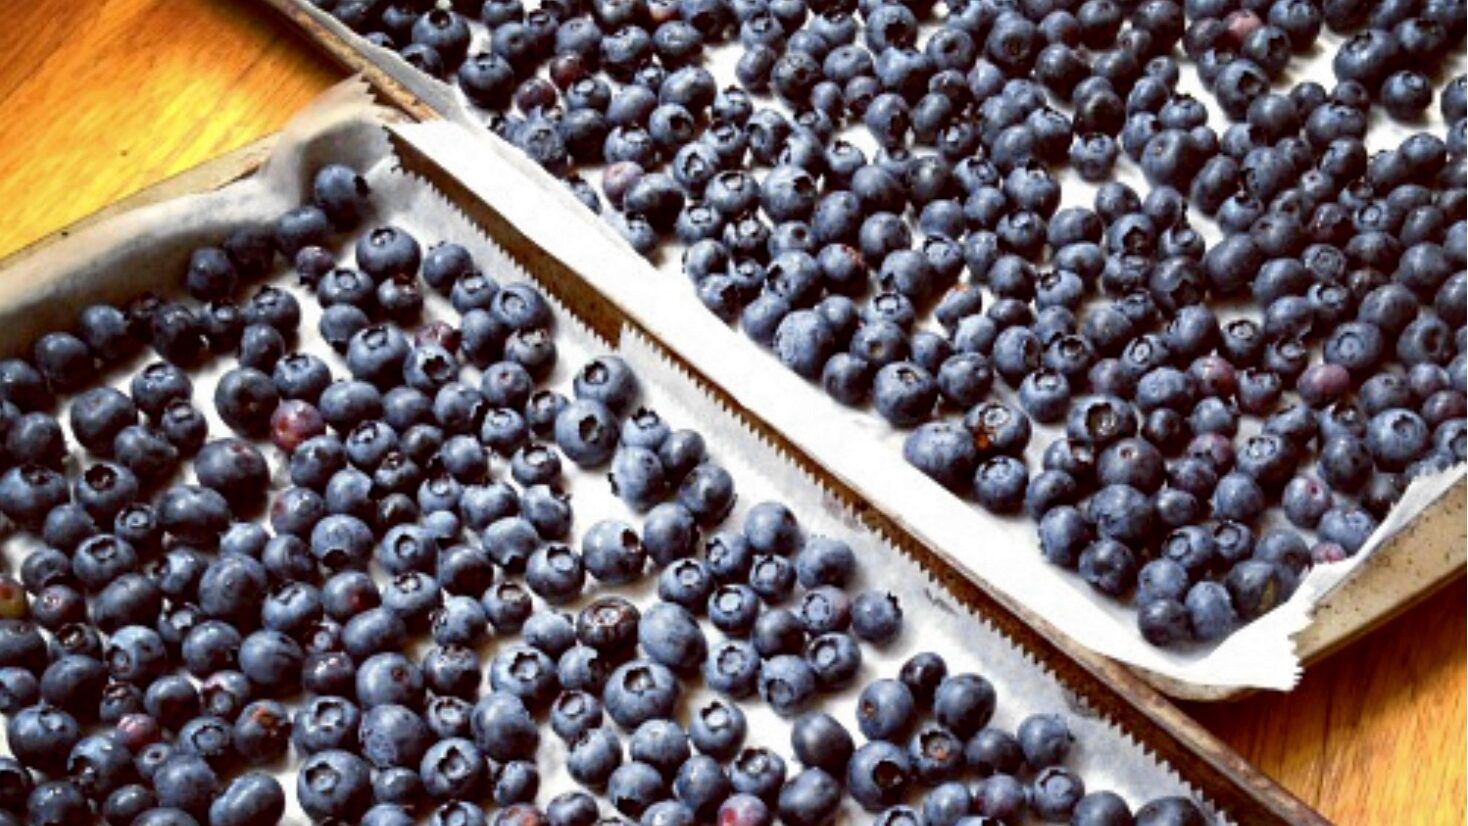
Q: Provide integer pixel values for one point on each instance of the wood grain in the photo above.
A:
(1375, 733)
(105, 97)
(103, 103)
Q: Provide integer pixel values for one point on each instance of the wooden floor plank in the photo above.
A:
(102, 103)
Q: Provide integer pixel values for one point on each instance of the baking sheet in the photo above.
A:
(858, 446)
(343, 125)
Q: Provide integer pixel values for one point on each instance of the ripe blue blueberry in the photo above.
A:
(878, 775)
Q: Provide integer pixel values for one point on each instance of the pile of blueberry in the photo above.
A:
(193, 610)
(1231, 414)
(930, 728)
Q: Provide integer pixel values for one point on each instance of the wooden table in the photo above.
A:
(103, 102)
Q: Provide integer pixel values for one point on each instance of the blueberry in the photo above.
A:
(453, 768)
(64, 360)
(235, 468)
(661, 744)
(1103, 808)
(178, 333)
(639, 691)
(75, 639)
(574, 713)
(104, 489)
(223, 695)
(1108, 566)
(575, 808)
(943, 451)
(41, 737)
(904, 393)
(209, 647)
(210, 738)
(1168, 577)
(1347, 527)
(19, 688)
(1055, 793)
(35, 438)
(535, 464)
(876, 616)
(1047, 491)
(524, 672)
(1163, 621)
(634, 787)
(104, 329)
(778, 631)
(262, 731)
(708, 492)
(686, 582)
(58, 605)
(413, 596)
(772, 577)
(452, 670)
(878, 775)
(377, 355)
(98, 415)
(670, 532)
(23, 385)
(387, 251)
(66, 525)
(613, 552)
(670, 635)
(457, 408)
(334, 784)
(1396, 437)
(937, 755)
(1000, 484)
(809, 798)
(1286, 549)
(126, 803)
(847, 378)
(1169, 810)
(245, 399)
(997, 429)
(885, 709)
(594, 756)
(637, 477)
(270, 659)
(555, 573)
(55, 803)
(1448, 440)
(734, 608)
(459, 621)
(463, 812)
(30, 492)
(185, 427)
(342, 194)
(803, 342)
(186, 782)
(448, 716)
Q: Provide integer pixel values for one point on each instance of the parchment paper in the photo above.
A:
(344, 126)
(858, 446)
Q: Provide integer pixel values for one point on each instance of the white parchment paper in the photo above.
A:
(857, 445)
(110, 258)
